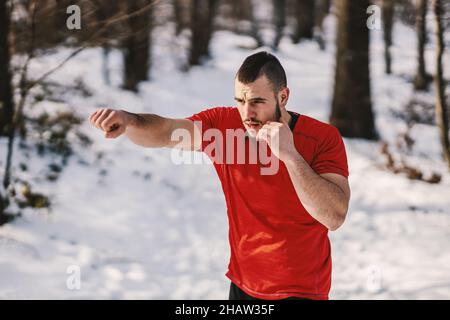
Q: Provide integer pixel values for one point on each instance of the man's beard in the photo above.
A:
(277, 114)
(276, 117)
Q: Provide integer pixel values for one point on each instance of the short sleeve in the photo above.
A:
(209, 118)
(330, 156)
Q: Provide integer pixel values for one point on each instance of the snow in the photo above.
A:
(140, 227)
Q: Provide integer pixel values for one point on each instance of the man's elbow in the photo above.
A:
(338, 221)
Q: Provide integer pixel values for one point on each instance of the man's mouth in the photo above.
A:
(253, 124)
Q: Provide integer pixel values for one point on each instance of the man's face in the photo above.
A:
(257, 103)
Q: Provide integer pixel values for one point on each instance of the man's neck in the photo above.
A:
(286, 116)
(293, 120)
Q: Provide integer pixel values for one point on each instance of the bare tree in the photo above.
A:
(6, 101)
(441, 108)
(422, 79)
(388, 7)
(202, 25)
(178, 16)
(321, 11)
(104, 11)
(279, 20)
(244, 9)
(25, 84)
(304, 12)
(351, 107)
(240, 11)
(254, 25)
(137, 44)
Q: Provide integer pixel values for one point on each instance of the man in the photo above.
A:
(278, 223)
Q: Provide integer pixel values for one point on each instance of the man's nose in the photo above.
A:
(250, 110)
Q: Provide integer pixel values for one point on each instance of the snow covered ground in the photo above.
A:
(139, 226)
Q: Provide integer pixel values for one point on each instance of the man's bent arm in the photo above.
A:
(325, 196)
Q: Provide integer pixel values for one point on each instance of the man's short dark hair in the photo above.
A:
(263, 63)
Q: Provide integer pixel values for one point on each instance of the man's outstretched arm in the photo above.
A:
(146, 130)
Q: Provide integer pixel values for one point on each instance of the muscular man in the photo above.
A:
(279, 222)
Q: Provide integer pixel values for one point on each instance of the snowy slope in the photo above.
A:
(149, 229)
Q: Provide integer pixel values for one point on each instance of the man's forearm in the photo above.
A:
(148, 130)
(325, 201)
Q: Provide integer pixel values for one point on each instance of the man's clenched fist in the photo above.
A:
(112, 122)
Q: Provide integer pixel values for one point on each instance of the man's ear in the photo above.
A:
(283, 97)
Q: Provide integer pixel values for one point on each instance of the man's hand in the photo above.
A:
(279, 137)
(112, 122)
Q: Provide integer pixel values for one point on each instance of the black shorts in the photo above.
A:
(238, 294)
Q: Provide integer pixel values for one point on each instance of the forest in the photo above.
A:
(141, 227)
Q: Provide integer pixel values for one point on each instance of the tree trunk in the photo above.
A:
(351, 107)
(106, 10)
(240, 9)
(421, 80)
(322, 9)
(255, 26)
(441, 108)
(105, 64)
(243, 10)
(327, 6)
(6, 98)
(178, 15)
(202, 18)
(388, 22)
(304, 12)
(137, 45)
(279, 20)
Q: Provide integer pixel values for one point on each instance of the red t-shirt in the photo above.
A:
(278, 249)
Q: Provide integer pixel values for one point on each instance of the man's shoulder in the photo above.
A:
(221, 117)
(315, 129)
(224, 115)
(213, 114)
